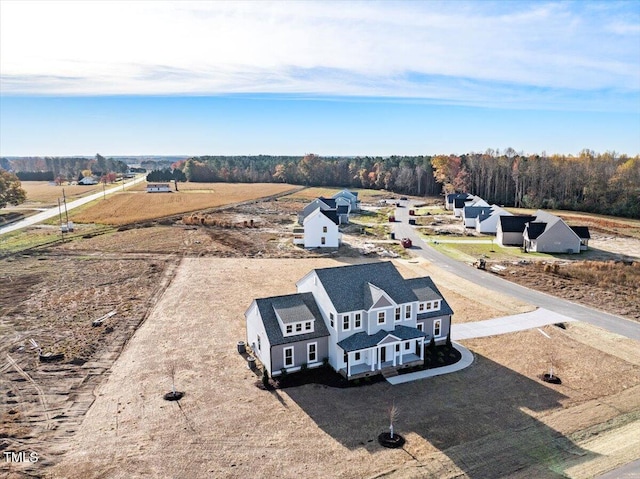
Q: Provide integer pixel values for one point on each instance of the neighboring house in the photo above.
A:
(158, 188)
(550, 234)
(352, 198)
(460, 203)
(322, 203)
(450, 199)
(488, 224)
(88, 180)
(510, 229)
(584, 235)
(321, 229)
(364, 319)
(470, 214)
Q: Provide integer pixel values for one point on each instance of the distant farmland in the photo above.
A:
(135, 206)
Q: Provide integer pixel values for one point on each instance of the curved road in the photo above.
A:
(52, 212)
(604, 320)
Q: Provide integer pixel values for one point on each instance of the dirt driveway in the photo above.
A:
(493, 419)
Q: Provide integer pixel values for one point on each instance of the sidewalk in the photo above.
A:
(465, 361)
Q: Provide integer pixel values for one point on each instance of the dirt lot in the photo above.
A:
(493, 419)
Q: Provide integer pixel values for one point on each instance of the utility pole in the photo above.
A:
(65, 207)
(60, 215)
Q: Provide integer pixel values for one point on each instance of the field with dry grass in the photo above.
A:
(43, 194)
(310, 194)
(137, 206)
(494, 419)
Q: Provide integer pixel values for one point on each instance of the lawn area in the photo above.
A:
(471, 249)
(310, 194)
(135, 206)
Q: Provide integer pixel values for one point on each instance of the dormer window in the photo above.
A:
(421, 307)
(289, 328)
(298, 327)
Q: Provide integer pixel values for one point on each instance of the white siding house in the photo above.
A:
(550, 234)
(320, 231)
(489, 224)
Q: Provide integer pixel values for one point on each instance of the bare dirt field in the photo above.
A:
(53, 299)
(136, 206)
(493, 419)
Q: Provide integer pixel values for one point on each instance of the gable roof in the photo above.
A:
(515, 224)
(363, 340)
(535, 229)
(303, 302)
(453, 196)
(581, 231)
(330, 202)
(476, 211)
(332, 215)
(346, 194)
(459, 202)
(342, 210)
(349, 290)
(426, 290)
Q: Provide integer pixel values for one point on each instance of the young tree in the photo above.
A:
(11, 192)
(393, 415)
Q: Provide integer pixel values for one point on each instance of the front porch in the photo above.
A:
(364, 370)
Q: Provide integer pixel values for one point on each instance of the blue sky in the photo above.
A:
(332, 78)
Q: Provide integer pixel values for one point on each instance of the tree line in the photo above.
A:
(66, 168)
(605, 183)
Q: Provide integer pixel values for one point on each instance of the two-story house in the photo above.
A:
(364, 319)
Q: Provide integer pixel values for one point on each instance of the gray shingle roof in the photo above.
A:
(332, 215)
(362, 340)
(534, 229)
(514, 224)
(291, 309)
(292, 302)
(348, 286)
(426, 290)
(343, 210)
(476, 211)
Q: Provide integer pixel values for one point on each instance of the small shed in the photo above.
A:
(158, 188)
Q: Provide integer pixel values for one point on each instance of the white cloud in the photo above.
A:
(414, 49)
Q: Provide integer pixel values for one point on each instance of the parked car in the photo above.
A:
(404, 198)
(406, 243)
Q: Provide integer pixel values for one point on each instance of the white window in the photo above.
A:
(331, 319)
(436, 327)
(436, 304)
(420, 326)
(324, 229)
(429, 305)
(407, 345)
(289, 328)
(307, 326)
(407, 312)
(357, 321)
(397, 314)
(397, 348)
(288, 357)
(323, 240)
(298, 327)
(381, 317)
(357, 356)
(345, 322)
(312, 354)
(421, 307)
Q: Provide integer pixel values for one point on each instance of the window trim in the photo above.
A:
(398, 314)
(357, 321)
(284, 356)
(346, 322)
(331, 320)
(421, 307)
(288, 328)
(407, 312)
(384, 317)
(308, 326)
(407, 346)
(437, 324)
(357, 356)
(315, 352)
(298, 327)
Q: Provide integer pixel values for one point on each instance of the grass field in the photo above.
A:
(315, 192)
(135, 206)
(47, 195)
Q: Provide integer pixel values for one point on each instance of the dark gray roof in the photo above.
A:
(459, 202)
(453, 196)
(314, 205)
(581, 231)
(362, 340)
(476, 211)
(533, 230)
(426, 290)
(332, 215)
(348, 286)
(514, 224)
(343, 210)
(270, 321)
(330, 202)
(292, 309)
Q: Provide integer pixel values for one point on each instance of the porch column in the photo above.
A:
(349, 364)
(394, 355)
(379, 358)
(401, 352)
(372, 358)
(421, 348)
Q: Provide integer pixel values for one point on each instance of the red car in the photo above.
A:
(406, 243)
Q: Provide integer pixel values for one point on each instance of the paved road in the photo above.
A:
(52, 212)
(604, 320)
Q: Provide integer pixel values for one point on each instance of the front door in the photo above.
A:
(383, 354)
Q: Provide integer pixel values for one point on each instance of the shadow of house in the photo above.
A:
(476, 417)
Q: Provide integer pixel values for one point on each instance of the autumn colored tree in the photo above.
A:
(11, 192)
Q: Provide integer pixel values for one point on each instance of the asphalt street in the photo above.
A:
(602, 319)
(52, 212)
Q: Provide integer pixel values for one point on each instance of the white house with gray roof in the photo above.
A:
(364, 319)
